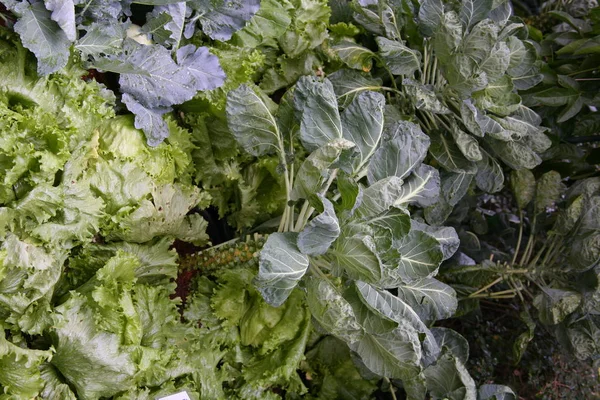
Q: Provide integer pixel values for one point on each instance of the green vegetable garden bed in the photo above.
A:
(285, 199)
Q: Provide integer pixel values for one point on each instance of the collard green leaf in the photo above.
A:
(585, 252)
(395, 354)
(522, 183)
(348, 83)
(332, 311)
(401, 154)
(220, 19)
(445, 235)
(489, 177)
(431, 299)
(155, 28)
(380, 196)
(457, 344)
(350, 192)
(568, 217)
(399, 59)
(421, 188)
(251, 121)
(270, 22)
(467, 144)
(281, 266)
(316, 169)
(430, 15)
(354, 55)
(317, 109)
(150, 120)
(447, 37)
(548, 189)
(473, 11)
(448, 378)
(445, 151)
(321, 231)
(515, 154)
(43, 36)
(424, 97)
(495, 392)
(357, 255)
(362, 123)
(555, 304)
(419, 256)
(393, 308)
(395, 220)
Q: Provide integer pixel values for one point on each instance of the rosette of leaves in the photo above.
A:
(156, 71)
(568, 96)
(361, 181)
(551, 264)
(455, 68)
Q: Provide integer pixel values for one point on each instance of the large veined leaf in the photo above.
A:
(445, 235)
(555, 304)
(354, 55)
(332, 311)
(357, 256)
(430, 15)
(424, 97)
(362, 123)
(395, 220)
(252, 122)
(155, 82)
(489, 176)
(495, 392)
(399, 59)
(317, 110)
(457, 344)
(400, 155)
(316, 169)
(380, 196)
(281, 266)
(393, 308)
(175, 26)
(449, 379)
(522, 183)
(101, 38)
(421, 188)
(43, 36)
(430, 298)
(220, 19)
(395, 354)
(348, 83)
(548, 189)
(321, 231)
(473, 11)
(63, 12)
(420, 255)
(445, 151)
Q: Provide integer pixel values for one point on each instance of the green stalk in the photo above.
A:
(425, 64)
(512, 262)
(525, 256)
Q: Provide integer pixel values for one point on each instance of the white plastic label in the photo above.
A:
(177, 396)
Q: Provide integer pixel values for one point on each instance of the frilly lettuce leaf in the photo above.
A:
(19, 369)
